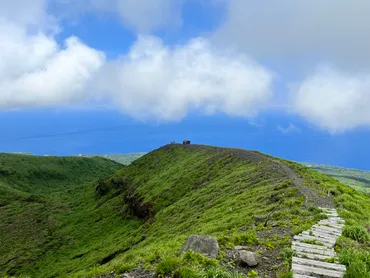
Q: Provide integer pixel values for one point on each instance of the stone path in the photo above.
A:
(314, 248)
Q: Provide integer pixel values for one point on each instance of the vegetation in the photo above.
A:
(40, 216)
(83, 218)
(354, 207)
(357, 179)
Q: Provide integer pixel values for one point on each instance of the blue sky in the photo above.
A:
(123, 76)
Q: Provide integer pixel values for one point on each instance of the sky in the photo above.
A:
(288, 78)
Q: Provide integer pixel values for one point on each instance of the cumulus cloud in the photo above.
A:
(34, 70)
(155, 81)
(334, 100)
(300, 33)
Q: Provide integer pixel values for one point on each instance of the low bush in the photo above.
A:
(357, 233)
(168, 266)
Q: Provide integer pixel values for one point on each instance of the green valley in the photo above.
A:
(92, 217)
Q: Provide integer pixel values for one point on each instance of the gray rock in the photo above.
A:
(248, 258)
(203, 244)
(239, 248)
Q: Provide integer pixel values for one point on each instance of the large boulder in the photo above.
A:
(203, 244)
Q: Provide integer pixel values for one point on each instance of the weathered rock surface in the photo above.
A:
(241, 256)
(248, 258)
(203, 244)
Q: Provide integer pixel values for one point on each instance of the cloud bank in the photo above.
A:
(155, 81)
(35, 71)
(334, 100)
(305, 31)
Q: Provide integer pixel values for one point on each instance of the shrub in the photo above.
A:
(286, 275)
(220, 273)
(167, 266)
(287, 254)
(125, 267)
(357, 233)
(198, 259)
(252, 273)
(357, 262)
(186, 272)
(249, 237)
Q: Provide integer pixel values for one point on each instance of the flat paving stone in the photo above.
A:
(314, 251)
(308, 262)
(312, 256)
(302, 276)
(324, 273)
(308, 245)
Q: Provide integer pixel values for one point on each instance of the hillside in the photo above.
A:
(142, 215)
(357, 179)
(33, 201)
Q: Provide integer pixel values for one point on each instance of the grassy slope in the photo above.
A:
(354, 207)
(204, 190)
(144, 213)
(357, 179)
(39, 196)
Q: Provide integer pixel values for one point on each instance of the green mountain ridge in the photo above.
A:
(87, 217)
(358, 179)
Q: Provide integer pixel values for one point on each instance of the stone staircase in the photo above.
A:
(314, 249)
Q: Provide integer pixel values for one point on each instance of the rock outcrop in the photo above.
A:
(203, 244)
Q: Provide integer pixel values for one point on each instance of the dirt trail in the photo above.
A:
(312, 197)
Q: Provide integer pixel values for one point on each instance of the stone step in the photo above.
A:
(302, 276)
(320, 235)
(327, 231)
(308, 262)
(328, 252)
(326, 242)
(307, 245)
(331, 224)
(334, 219)
(312, 256)
(309, 259)
(309, 270)
(322, 226)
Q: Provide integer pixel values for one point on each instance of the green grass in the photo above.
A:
(354, 207)
(358, 179)
(40, 206)
(80, 217)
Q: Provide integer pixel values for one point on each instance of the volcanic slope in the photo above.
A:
(38, 197)
(239, 197)
(142, 215)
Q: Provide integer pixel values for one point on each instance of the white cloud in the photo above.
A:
(31, 15)
(291, 128)
(144, 16)
(154, 81)
(300, 33)
(334, 100)
(34, 70)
